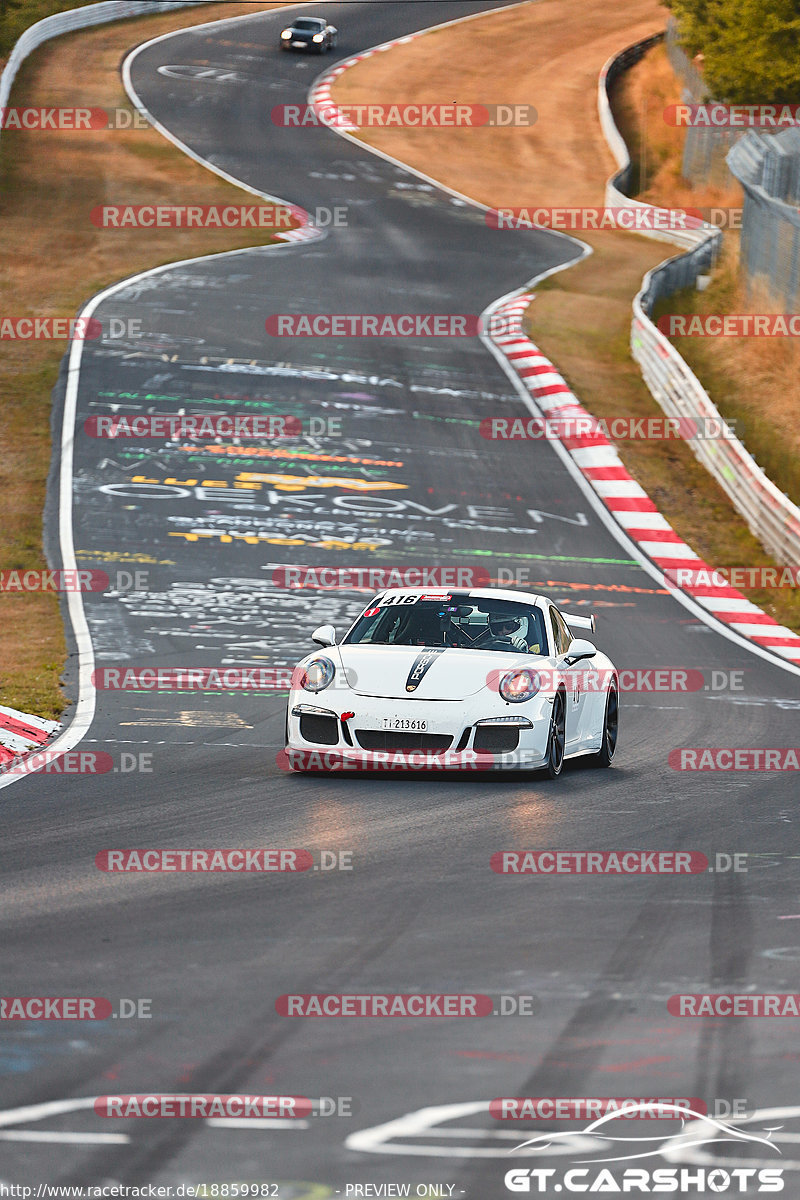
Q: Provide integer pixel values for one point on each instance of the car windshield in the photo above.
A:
(310, 24)
(475, 623)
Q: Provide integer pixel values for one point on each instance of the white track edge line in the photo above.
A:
(83, 715)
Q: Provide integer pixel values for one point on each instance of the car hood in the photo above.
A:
(450, 674)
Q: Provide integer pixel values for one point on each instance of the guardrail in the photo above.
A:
(78, 18)
(769, 513)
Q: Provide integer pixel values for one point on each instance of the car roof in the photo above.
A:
(472, 593)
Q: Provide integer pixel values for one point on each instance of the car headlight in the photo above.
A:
(287, 33)
(519, 685)
(318, 675)
(318, 37)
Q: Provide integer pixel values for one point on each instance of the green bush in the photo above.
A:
(750, 48)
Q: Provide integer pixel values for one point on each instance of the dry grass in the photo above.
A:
(547, 54)
(51, 260)
(752, 380)
(581, 317)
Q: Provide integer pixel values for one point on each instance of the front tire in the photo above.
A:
(557, 737)
(605, 754)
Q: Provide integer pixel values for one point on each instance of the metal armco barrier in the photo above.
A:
(78, 18)
(769, 513)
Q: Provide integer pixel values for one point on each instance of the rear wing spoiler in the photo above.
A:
(579, 622)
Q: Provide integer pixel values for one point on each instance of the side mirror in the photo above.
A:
(580, 649)
(324, 636)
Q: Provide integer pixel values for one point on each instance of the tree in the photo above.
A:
(750, 48)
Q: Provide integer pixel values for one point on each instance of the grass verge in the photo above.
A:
(581, 317)
(51, 260)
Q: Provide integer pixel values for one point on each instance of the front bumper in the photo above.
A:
(350, 735)
(299, 43)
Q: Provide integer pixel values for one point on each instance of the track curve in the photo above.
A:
(421, 909)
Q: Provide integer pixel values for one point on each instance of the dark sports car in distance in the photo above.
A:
(309, 33)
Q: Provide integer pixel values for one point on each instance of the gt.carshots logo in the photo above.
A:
(697, 1129)
(678, 1180)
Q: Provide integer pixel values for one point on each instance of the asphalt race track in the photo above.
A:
(406, 480)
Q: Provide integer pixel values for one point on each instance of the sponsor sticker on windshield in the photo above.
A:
(414, 598)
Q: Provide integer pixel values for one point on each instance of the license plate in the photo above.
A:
(301, 44)
(413, 724)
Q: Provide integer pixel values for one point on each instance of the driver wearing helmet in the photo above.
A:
(503, 633)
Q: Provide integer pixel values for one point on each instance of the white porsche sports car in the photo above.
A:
(453, 679)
